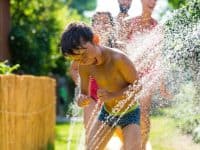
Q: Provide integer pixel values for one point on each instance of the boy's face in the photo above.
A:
(84, 55)
(148, 4)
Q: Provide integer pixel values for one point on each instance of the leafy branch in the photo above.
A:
(6, 69)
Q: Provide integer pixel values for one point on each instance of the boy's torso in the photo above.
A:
(108, 76)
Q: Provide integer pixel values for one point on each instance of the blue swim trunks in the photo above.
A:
(131, 117)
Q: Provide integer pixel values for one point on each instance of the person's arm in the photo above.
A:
(74, 72)
(83, 99)
(134, 27)
(164, 91)
(128, 71)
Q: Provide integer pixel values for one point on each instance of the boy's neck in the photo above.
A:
(100, 55)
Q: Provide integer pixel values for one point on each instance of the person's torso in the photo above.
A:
(123, 29)
(108, 75)
(110, 78)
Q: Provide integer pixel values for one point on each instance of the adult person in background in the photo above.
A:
(122, 24)
(148, 40)
(103, 26)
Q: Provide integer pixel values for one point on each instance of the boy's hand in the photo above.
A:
(84, 100)
(104, 95)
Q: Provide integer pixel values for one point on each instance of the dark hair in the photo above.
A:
(74, 36)
(124, 9)
(104, 13)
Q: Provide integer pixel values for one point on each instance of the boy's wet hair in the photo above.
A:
(74, 36)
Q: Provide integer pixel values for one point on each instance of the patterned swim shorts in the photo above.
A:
(131, 117)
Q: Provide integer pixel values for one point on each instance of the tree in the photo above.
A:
(4, 29)
(182, 48)
(35, 34)
(184, 45)
(176, 3)
(82, 5)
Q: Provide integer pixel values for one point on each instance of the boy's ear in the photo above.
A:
(95, 39)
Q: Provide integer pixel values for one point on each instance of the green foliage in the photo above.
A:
(82, 5)
(183, 47)
(196, 134)
(60, 66)
(187, 112)
(35, 34)
(176, 3)
(6, 69)
(50, 146)
(188, 124)
(191, 125)
(186, 15)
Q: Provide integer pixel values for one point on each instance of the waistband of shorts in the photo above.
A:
(132, 108)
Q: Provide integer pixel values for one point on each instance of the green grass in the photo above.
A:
(164, 134)
(162, 131)
(63, 138)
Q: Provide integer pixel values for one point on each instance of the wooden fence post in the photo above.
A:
(27, 112)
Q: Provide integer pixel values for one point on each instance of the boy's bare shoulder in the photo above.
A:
(118, 54)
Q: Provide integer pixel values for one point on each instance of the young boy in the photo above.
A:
(114, 74)
(99, 20)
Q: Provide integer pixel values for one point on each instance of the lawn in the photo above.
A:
(164, 135)
(67, 136)
(162, 131)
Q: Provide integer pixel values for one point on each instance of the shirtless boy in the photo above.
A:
(114, 73)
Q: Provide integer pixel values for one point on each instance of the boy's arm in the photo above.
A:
(84, 82)
(74, 72)
(83, 99)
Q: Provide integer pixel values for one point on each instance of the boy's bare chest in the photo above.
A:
(108, 77)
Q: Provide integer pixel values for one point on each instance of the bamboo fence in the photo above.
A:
(27, 112)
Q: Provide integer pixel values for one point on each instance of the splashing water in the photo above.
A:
(182, 49)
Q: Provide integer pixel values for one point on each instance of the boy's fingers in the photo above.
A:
(100, 92)
(86, 102)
